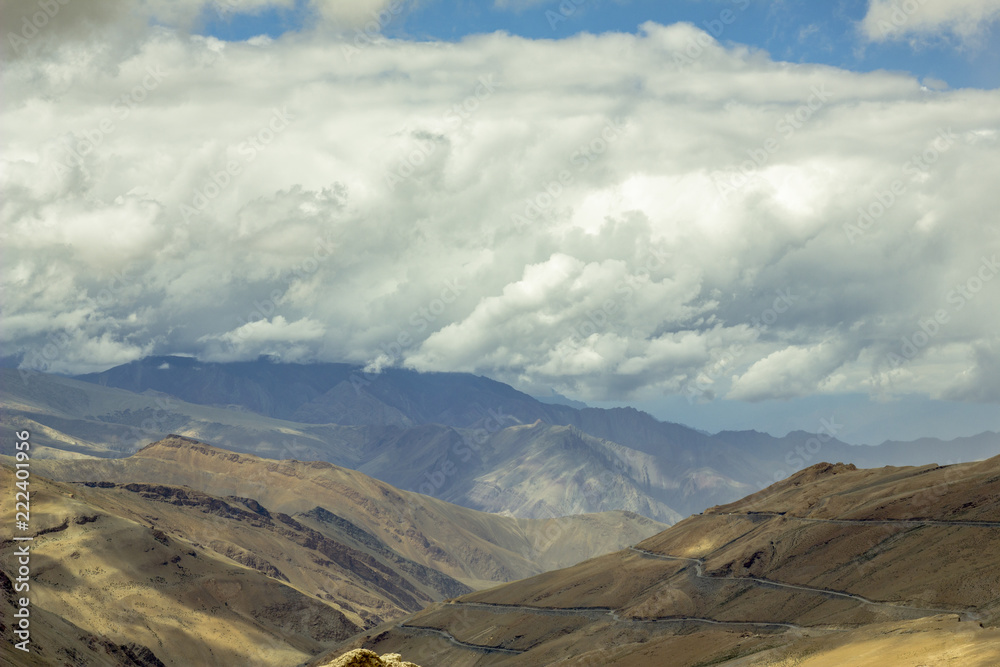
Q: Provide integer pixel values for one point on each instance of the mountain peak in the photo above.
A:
(824, 468)
(172, 441)
(177, 447)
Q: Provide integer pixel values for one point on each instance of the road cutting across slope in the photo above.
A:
(606, 613)
(603, 613)
(699, 568)
(419, 629)
(870, 522)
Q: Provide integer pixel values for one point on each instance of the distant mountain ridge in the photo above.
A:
(459, 437)
(558, 399)
(676, 468)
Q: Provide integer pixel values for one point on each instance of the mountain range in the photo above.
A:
(192, 555)
(461, 438)
(261, 513)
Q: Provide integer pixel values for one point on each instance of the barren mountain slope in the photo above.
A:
(487, 467)
(900, 563)
(476, 548)
(537, 470)
(108, 588)
(461, 438)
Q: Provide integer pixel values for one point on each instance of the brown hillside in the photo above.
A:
(832, 566)
(475, 548)
(108, 582)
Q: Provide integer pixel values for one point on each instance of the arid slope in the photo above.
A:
(476, 548)
(186, 554)
(109, 588)
(897, 564)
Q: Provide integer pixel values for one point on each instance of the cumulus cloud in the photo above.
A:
(980, 380)
(646, 214)
(277, 337)
(892, 19)
(796, 370)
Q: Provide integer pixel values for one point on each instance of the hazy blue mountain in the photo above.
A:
(459, 437)
(556, 398)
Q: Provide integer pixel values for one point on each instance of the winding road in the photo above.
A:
(600, 613)
(699, 570)
(869, 522)
(419, 629)
(593, 613)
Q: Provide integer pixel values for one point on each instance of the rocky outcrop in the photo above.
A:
(362, 657)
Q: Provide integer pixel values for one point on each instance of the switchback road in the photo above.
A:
(699, 565)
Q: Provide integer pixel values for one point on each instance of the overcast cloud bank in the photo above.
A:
(606, 215)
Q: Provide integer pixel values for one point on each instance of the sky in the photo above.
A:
(732, 213)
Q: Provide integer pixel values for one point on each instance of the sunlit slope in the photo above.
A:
(108, 581)
(901, 563)
(471, 546)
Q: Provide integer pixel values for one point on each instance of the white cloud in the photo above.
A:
(893, 19)
(980, 380)
(605, 224)
(790, 372)
(276, 337)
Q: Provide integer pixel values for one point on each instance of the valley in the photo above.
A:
(834, 556)
(403, 516)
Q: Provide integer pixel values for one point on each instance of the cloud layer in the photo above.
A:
(892, 19)
(614, 215)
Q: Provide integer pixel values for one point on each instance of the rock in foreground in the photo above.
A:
(362, 657)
